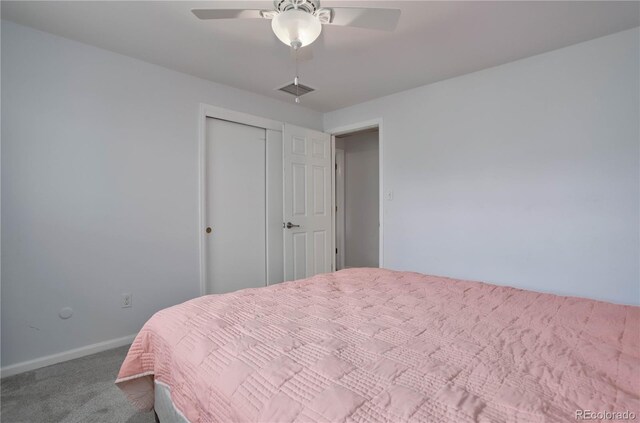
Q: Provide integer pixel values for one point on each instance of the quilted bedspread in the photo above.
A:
(372, 345)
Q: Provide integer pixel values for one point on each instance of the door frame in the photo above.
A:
(354, 127)
(339, 209)
(208, 111)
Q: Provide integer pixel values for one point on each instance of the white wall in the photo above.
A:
(99, 189)
(361, 199)
(526, 174)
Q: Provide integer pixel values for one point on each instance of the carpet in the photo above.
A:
(75, 391)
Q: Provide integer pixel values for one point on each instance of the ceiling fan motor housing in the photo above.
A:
(310, 6)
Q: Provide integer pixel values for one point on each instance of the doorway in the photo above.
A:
(357, 193)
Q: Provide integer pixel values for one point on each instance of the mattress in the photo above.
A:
(374, 345)
(163, 406)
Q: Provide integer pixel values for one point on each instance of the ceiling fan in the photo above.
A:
(298, 23)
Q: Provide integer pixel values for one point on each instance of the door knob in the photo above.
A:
(290, 225)
(208, 230)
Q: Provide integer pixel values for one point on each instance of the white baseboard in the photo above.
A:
(48, 360)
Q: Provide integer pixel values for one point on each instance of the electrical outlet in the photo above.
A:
(126, 300)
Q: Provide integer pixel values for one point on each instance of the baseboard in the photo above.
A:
(48, 360)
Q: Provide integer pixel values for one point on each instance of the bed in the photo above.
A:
(374, 345)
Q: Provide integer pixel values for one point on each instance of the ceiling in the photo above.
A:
(433, 41)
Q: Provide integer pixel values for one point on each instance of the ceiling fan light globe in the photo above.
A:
(294, 26)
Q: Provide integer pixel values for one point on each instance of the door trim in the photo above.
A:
(207, 111)
(359, 126)
(339, 210)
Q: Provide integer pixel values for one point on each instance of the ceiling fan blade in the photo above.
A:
(227, 13)
(371, 18)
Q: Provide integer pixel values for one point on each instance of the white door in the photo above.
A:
(235, 206)
(307, 202)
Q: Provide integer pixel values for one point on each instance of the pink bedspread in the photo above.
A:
(369, 345)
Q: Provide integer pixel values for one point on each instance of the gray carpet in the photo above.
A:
(80, 390)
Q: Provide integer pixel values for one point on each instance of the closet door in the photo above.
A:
(235, 206)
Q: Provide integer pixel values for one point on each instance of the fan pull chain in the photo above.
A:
(296, 80)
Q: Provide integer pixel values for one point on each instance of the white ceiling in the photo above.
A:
(433, 41)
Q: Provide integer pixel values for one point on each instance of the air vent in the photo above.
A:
(298, 91)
